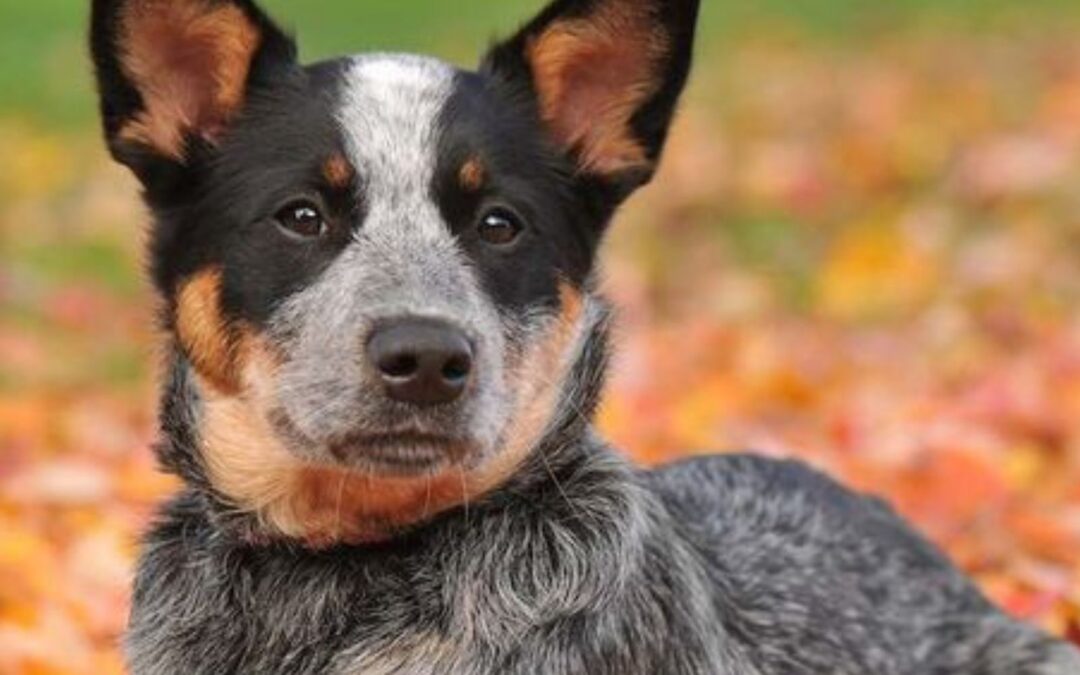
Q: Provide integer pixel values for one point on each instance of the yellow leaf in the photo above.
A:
(874, 270)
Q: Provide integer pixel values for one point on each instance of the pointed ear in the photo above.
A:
(605, 76)
(170, 71)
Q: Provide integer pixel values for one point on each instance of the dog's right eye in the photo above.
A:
(301, 219)
(500, 227)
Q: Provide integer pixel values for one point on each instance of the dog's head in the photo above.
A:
(376, 269)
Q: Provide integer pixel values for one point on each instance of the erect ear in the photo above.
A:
(170, 71)
(605, 76)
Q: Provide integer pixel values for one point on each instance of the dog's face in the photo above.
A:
(377, 268)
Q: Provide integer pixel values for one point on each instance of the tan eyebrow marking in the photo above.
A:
(338, 172)
(472, 174)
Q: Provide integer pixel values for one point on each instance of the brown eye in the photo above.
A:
(500, 227)
(301, 219)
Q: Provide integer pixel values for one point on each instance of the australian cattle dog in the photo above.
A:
(384, 348)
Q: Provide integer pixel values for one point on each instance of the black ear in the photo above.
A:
(605, 77)
(171, 72)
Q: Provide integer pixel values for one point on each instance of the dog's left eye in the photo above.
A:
(302, 219)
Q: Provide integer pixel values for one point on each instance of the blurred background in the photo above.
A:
(863, 250)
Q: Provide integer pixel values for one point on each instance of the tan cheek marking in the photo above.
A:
(245, 460)
(338, 172)
(189, 60)
(472, 175)
(540, 375)
(592, 75)
(214, 348)
(326, 505)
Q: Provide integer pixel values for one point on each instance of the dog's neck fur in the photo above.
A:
(563, 448)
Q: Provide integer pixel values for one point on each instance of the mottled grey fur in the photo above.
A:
(580, 563)
(583, 564)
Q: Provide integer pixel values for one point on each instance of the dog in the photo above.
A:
(384, 351)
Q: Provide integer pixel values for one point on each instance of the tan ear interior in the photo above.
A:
(189, 60)
(592, 74)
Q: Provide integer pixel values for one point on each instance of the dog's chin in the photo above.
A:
(393, 452)
(404, 454)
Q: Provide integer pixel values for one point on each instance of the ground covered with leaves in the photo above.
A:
(866, 258)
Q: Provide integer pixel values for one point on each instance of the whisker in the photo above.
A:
(559, 487)
(427, 497)
(340, 498)
(464, 493)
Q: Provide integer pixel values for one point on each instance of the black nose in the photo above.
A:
(421, 361)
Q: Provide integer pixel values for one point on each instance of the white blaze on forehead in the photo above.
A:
(403, 261)
(389, 115)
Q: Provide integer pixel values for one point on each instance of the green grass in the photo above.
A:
(45, 75)
(105, 262)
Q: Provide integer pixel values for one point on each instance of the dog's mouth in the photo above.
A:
(394, 451)
(400, 453)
